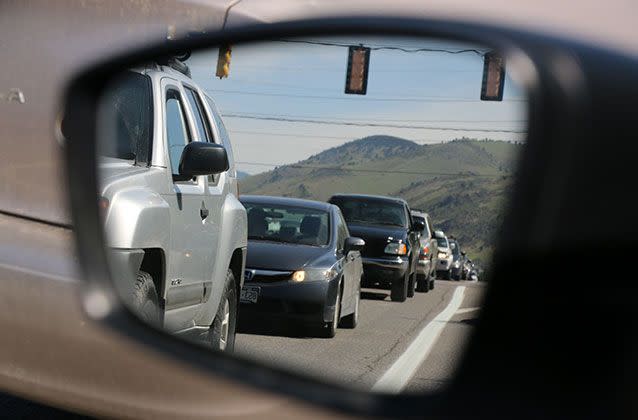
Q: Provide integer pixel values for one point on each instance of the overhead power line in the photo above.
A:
(386, 47)
(375, 171)
(339, 98)
(328, 117)
(312, 136)
(370, 124)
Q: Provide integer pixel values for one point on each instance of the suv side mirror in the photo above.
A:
(417, 225)
(353, 244)
(200, 158)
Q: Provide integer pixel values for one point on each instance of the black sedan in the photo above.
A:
(302, 264)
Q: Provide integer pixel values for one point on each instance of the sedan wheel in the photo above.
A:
(330, 329)
(352, 320)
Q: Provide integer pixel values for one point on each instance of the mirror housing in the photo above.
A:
(201, 158)
(353, 244)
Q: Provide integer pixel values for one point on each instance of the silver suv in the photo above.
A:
(174, 224)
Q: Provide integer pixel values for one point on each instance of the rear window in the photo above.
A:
(126, 118)
(425, 229)
(370, 211)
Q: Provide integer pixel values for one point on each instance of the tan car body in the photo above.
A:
(51, 351)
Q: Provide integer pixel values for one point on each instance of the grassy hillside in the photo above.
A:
(461, 184)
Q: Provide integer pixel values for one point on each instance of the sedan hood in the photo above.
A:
(278, 256)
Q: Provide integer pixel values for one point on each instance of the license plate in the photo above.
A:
(249, 294)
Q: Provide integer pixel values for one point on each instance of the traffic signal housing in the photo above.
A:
(223, 61)
(493, 77)
(357, 72)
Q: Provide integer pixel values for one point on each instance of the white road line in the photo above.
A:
(466, 310)
(402, 370)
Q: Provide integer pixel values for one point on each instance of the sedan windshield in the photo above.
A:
(374, 212)
(442, 243)
(287, 224)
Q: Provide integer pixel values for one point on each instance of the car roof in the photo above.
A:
(371, 197)
(419, 213)
(286, 201)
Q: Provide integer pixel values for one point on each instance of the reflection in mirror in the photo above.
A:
(315, 203)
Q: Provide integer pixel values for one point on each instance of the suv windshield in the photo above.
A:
(126, 118)
(374, 212)
(295, 225)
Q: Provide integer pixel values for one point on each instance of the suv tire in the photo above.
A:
(225, 323)
(412, 285)
(145, 300)
(422, 284)
(399, 291)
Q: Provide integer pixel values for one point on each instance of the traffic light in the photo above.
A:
(357, 72)
(493, 77)
(223, 61)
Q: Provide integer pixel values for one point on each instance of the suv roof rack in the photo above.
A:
(175, 64)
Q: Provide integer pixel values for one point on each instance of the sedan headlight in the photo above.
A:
(442, 255)
(314, 274)
(396, 248)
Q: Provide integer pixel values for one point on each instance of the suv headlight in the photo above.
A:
(396, 248)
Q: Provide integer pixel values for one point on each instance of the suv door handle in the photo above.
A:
(203, 211)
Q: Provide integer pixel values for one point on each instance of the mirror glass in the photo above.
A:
(326, 139)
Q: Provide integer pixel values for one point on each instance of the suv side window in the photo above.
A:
(198, 110)
(177, 134)
(202, 122)
(225, 140)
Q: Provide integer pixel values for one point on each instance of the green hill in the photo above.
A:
(461, 184)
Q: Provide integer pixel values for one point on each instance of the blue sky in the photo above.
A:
(307, 81)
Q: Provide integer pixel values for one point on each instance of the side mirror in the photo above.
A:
(353, 244)
(418, 225)
(200, 158)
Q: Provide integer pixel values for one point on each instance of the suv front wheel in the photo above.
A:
(399, 291)
(145, 301)
(223, 329)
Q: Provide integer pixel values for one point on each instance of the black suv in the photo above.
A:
(391, 253)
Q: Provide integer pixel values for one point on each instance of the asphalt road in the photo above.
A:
(386, 330)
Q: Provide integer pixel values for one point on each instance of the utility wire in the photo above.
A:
(312, 136)
(375, 119)
(357, 124)
(387, 47)
(376, 171)
(338, 98)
